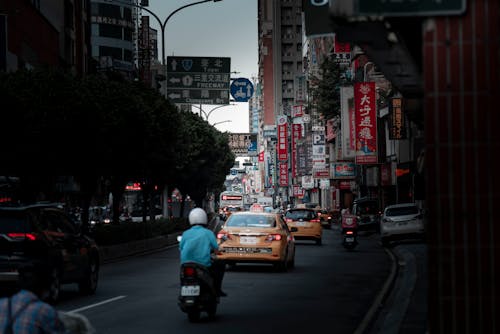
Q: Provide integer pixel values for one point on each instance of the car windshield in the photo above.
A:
(300, 214)
(251, 221)
(365, 208)
(401, 211)
(12, 222)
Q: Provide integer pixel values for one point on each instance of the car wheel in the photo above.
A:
(55, 287)
(88, 285)
(212, 311)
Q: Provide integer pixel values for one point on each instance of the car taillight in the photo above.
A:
(273, 237)
(22, 236)
(314, 220)
(223, 235)
(349, 232)
(189, 271)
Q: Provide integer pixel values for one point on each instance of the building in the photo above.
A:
(53, 33)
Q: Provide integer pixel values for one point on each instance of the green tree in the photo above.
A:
(325, 88)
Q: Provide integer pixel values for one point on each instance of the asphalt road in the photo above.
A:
(329, 288)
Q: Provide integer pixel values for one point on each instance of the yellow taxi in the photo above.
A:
(257, 237)
(306, 222)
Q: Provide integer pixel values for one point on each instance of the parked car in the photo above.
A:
(307, 223)
(367, 212)
(43, 233)
(257, 237)
(401, 221)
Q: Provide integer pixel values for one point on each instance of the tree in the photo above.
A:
(325, 89)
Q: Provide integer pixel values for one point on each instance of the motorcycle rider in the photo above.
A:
(197, 245)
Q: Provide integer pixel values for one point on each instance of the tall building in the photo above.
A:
(53, 33)
(114, 35)
(280, 63)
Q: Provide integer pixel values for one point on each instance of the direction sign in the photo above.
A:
(241, 89)
(198, 80)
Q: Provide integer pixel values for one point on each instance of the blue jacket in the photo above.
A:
(196, 245)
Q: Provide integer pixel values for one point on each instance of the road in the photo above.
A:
(329, 287)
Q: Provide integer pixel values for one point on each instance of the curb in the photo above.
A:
(118, 252)
(383, 293)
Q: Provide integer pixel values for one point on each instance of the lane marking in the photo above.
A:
(96, 304)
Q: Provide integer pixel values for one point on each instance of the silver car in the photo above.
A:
(401, 221)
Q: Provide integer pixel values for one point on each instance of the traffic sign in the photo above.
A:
(198, 80)
(241, 89)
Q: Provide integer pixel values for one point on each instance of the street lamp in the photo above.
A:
(207, 115)
(163, 24)
(226, 121)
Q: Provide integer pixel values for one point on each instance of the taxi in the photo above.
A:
(256, 236)
(306, 222)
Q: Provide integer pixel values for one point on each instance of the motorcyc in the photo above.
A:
(349, 231)
(197, 293)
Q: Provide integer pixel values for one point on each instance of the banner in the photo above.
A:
(283, 176)
(366, 122)
(282, 145)
(296, 135)
(397, 128)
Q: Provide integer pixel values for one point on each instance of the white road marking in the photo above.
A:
(96, 304)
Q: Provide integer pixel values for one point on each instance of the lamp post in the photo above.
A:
(226, 121)
(162, 24)
(207, 115)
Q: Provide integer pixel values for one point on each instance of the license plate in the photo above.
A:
(350, 239)
(190, 290)
(248, 240)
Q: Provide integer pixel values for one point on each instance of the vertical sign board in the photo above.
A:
(283, 176)
(397, 129)
(145, 51)
(282, 138)
(296, 135)
(366, 122)
(198, 80)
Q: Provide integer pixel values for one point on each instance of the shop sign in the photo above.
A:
(366, 122)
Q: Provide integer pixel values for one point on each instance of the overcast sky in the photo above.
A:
(227, 28)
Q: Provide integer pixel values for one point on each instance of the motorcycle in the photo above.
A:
(349, 231)
(197, 293)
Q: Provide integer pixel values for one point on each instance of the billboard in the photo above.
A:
(365, 115)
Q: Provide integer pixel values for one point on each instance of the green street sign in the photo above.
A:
(411, 7)
(198, 80)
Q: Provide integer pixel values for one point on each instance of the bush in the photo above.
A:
(109, 234)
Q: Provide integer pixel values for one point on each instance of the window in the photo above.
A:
(109, 30)
(109, 11)
(115, 53)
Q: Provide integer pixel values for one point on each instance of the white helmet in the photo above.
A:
(198, 216)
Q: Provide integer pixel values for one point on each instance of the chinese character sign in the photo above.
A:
(282, 139)
(296, 135)
(397, 128)
(283, 176)
(366, 122)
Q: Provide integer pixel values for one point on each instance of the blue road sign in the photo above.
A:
(241, 89)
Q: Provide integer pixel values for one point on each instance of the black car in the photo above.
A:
(368, 213)
(43, 233)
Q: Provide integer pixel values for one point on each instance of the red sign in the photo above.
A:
(282, 142)
(283, 177)
(365, 105)
(296, 135)
(261, 156)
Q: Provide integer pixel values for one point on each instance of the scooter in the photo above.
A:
(197, 293)
(349, 232)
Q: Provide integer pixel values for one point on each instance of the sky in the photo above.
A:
(226, 28)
